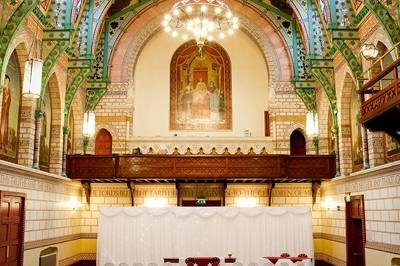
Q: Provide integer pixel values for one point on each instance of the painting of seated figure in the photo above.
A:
(200, 88)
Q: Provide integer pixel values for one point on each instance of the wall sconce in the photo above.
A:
(155, 202)
(32, 78)
(246, 202)
(89, 127)
(73, 203)
(329, 204)
(89, 123)
(312, 129)
(347, 197)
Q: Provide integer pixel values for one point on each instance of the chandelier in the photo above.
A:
(202, 20)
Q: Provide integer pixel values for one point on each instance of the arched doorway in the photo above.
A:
(103, 145)
(297, 143)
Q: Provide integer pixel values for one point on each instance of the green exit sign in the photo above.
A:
(200, 201)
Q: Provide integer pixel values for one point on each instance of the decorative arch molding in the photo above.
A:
(129, 44)
(99, 16)
(23, 36)
(292, 127)
(385, 20)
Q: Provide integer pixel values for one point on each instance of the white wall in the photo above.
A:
(152, 87)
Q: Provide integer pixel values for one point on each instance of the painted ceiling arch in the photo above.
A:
(135, 36)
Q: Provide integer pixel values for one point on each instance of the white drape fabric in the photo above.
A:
(147, 235)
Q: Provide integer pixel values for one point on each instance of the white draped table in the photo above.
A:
(147, 235)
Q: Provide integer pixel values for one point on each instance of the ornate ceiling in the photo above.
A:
(88, 31)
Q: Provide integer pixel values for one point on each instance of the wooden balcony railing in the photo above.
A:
(381, 112)
(200, 167)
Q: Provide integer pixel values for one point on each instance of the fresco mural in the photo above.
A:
(200, 88)
(325, 11)
(10, 110)
(356, 139)
(44, 152)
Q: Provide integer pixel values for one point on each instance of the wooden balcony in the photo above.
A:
(227, 168)
(381, 112)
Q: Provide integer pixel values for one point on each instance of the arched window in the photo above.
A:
(297, 143)
(103, 145)
(10, 110)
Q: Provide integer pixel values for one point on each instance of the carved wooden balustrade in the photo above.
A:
(381, 112)
(200, 167)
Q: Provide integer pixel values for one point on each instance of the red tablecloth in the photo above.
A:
(293, 259)
(202, 261)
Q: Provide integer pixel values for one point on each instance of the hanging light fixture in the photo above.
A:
(369, 51)
(312, 129)
(312, 124)
(32, 78)
(89, 124)
(32, 84)
(202, 20)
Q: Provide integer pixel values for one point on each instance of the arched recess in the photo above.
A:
(10, 111)
(297, 143)
(55, 127)
(350, 140)
(103, 143)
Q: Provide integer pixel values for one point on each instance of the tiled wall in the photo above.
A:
(381, 189)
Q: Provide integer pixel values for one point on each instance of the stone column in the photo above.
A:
(36, 142)
(335, 133)
(64, 152)
(364, 137)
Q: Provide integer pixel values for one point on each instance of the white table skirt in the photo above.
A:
(147, 235)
